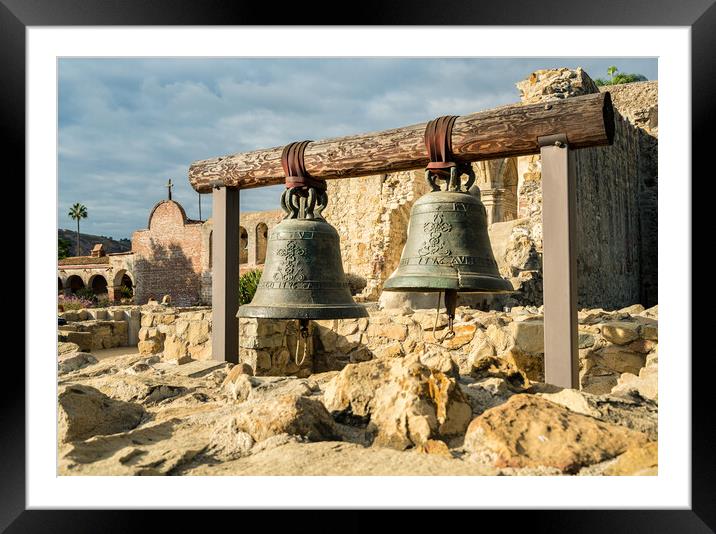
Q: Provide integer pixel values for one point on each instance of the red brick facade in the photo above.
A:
(168, 256)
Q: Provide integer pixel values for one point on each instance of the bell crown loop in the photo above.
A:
(442, 166)
(305, 197)
(304, 203)
(453, 179)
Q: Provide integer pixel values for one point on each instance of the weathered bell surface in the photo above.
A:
(303, 274)
(448, 247)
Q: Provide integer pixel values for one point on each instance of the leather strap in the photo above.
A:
(438, 142)
(294, 167)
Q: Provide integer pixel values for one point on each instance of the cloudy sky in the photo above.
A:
(127, 125)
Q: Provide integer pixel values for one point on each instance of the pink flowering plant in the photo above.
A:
(75, 302)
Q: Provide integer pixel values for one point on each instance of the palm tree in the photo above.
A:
(78, 211)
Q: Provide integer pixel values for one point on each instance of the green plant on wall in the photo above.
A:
(248, 282)
(125, 292)
(616, 77)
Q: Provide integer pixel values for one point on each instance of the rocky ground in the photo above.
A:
(414, 414)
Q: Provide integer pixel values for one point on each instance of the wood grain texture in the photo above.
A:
(497, 133)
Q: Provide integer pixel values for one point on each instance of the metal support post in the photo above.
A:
(225, 275)
(559, 265)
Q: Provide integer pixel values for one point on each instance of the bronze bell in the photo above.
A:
(303, 274)
(448, 248)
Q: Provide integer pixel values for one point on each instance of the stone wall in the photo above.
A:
(616, 202)
(179, 334)
(371, 216)
(610, 343)
(100, 328)
(638, 104)
(254, 226)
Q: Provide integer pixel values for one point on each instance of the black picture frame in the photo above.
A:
(699, 15)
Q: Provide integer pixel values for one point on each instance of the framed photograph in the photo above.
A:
(342, 267)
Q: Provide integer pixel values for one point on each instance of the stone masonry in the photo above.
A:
(610, 343)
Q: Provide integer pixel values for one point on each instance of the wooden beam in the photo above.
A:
(497, 133)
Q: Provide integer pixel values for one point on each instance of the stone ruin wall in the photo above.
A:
(616, 201)
(371, 216)
(610, 343)
(252, 243)
(100, 328)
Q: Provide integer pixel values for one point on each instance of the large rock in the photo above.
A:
(528, 335)
(85, 412)
(406, 401)
(529, 431)
(65, 347)
(354, 388)
(620, 332)
(140, 388)
(494, 367)
(417, 404)
(237, 385)
(441, 361)
(600, 369)
(646, 384)
(286, 414)
(550, 84)
(83, 340)
(74, 360)
(636, 461)
(228, 442)
(152, 345)
(485, 393)
(175, 348)
(462, 335)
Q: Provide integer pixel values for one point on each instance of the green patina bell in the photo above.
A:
(448, 248)
(303, 275)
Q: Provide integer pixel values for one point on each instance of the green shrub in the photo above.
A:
(125, 292)
(87, 294)
(248, 282)
(616, 77)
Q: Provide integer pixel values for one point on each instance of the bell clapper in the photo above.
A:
(450, 304)
(304, 332)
